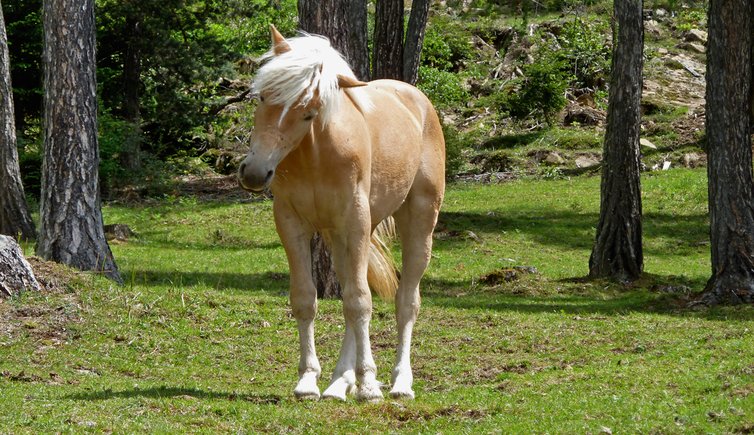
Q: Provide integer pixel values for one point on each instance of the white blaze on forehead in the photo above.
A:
(309, 69)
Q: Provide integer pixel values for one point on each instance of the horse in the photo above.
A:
(340, 156)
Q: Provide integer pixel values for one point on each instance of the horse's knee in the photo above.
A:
(357, 304)
(303, 305)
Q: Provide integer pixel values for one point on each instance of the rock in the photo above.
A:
(647, 143)
(587, 161)
(694, 160)
(662, 51)
(583, 115)
(653, 29)
(121, 232)
(692, 46)
(660, 13)
(554, 159)
(695, 35)
(16, 275)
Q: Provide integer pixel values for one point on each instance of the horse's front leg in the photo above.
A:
(296, 236)
(350, 249)
(344, 377)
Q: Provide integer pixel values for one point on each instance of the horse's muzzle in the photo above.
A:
(254, 180)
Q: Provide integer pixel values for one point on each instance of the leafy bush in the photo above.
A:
(583, 48)
(446, 45)
(453, 145)
(540, 93)
(442, 87)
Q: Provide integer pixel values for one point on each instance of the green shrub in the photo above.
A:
(540, 93)
(119, 148)
(453, 145)
(446, 45)
(442, 87)
(583, 48)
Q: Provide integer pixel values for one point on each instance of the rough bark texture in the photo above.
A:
(617, 251)
(16, 274)
(344, 22)
(15, 220)
(388, 40)
(71, 230)
(412, 49)
(729, 169)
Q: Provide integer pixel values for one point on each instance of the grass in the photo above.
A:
(201, 338)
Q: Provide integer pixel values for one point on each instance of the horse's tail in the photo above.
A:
(381, 274)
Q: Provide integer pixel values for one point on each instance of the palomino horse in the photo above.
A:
(340, 156)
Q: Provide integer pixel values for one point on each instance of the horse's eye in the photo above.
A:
(309, 116)
(261, 98)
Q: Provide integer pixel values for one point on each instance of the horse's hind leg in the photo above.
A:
(415, 221)
(296, 241)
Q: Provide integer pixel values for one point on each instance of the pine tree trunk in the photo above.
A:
(417, 24)
(388, 40)
(344, 22)
(71, 230)
(617, 251)
(16, 274)
(15, 219)
(731, 186)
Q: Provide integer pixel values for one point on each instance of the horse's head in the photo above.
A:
(293, 91)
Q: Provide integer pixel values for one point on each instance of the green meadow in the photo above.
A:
(511, 337)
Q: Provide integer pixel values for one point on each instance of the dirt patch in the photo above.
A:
(48, 320)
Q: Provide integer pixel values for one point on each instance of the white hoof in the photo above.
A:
(397, 393)
(339, 389)
(307, 387)
(369, 392)
(402, 382)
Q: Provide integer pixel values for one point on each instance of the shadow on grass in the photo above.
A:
(270, 281)
(175, 392)
(575, 230)
(215, 240)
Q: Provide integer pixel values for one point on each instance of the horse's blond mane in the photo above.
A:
(310, 68)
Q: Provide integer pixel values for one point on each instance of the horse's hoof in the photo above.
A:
(306, 396)
(333, 396)
(371, 395)
(402, 394)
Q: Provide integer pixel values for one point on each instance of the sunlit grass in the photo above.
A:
(201, 339)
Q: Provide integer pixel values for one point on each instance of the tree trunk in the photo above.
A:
(131, 158)
(15, 219)
(16, 274)
(327, 18)
(412, 50)
(617, 251)
(71, 230)
(730, 187)
(388, 40)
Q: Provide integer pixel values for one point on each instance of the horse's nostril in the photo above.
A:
(269, 176)
(242, 167)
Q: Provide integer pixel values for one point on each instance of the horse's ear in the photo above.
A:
(349, 82)
(279, 45)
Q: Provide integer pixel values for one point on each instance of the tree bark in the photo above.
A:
(388, 40)
(617, 251)
(412, 50)
(16, 274)
(71, 230)
(15, 219)
(344, 23)
(729, 170)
